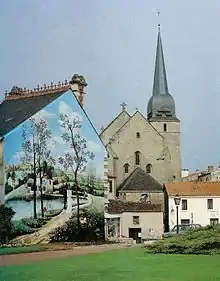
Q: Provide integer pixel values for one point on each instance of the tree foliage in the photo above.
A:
(37, 157)
(204, 241)
(6, 226)
(79, 155)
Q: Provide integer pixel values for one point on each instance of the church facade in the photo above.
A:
(144, 150)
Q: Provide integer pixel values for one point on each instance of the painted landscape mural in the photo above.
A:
(54, 151)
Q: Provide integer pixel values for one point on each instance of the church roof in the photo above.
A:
(139, 180)
(161, 105)
(119, 206)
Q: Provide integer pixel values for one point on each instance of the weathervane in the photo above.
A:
(158, 13)
(123, 106)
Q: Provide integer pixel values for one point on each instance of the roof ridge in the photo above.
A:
(19, 92)
(116, 117)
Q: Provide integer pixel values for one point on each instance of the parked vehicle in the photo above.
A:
(182, 228)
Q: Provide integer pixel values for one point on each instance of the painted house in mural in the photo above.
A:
(20, 111)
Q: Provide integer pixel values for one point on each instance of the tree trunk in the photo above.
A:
(77, 199)
(41, 196)
(35, 188)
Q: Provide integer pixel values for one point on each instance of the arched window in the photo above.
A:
(149, 168)
(126, 167)
(137, 157)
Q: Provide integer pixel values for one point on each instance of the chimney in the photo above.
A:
(211, 169)
(78, 84)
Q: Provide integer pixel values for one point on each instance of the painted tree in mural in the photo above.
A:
(36, 135)
(79, 155)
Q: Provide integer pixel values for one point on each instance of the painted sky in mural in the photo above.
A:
(66, 104)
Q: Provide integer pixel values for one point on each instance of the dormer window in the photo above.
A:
(137, 135)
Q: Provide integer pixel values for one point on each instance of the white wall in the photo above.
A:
(197, 211)
(151, 223)
(184, 173)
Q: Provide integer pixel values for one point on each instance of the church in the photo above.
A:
(143, 149)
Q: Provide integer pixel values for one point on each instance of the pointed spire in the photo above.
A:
(160, 86)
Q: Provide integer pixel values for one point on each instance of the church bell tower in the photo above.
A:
(161, 113)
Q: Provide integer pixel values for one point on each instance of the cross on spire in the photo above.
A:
(123, 106)
(158, 13)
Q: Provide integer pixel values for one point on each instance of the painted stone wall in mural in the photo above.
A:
(53, 150)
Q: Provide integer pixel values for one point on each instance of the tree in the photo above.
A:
(77, 158)
(44, 157)
(35, 138)
(6, 215)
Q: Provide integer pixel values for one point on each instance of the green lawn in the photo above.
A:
(18, 250)
(129, 264)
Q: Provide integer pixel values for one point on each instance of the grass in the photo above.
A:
(18, 250)
(128, 264)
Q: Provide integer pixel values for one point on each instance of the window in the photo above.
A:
(137, 157)
(136, 220)
(184, 204)
(164, 127)
(210, 204)
(213, 221)
(110, 186)
(126, 167)
(137, 135)
(185, 221)
(149, 168)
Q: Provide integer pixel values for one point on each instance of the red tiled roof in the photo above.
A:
(193, 188)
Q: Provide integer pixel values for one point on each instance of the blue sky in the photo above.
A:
(113, 44)
(64, 104)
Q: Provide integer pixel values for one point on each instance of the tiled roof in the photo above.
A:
(193, 188)
(139, 180)
(118, 206)
(13, 112)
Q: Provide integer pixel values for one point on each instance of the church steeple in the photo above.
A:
(161, 104)
(160, 86)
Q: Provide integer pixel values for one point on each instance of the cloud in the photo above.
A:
(17, 156)
(43, 114)
(64, 108)
(94, 147)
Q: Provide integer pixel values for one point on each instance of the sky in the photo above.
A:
(65, 104)
(113, 44)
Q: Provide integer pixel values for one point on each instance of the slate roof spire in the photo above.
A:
(160, 86)
(161, 104)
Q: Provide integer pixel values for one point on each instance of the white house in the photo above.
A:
(200, 203)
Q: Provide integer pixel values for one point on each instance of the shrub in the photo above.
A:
(6, 226)
(205, 240)
(91, 229)
(20, 228)
(8, 188)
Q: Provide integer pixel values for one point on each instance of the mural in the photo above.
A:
(48, 154)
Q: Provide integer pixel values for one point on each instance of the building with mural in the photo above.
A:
(47, 143)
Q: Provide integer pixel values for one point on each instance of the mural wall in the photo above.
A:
(59, 146)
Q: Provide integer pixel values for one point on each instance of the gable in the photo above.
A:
(65, 104)
(114, 126)
(140, 123)
(149, 136)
